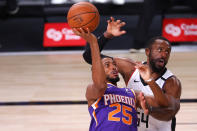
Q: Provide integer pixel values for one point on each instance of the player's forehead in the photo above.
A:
(159, 43)
(107, 60)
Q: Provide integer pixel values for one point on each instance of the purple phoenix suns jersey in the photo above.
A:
(114, 111)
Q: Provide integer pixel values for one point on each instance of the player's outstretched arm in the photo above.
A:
(159, 95)
(172, 90)
(113, 30)
(126, 67)
(167, 100)
(97, 89)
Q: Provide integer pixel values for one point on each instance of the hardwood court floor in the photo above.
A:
(60, 77)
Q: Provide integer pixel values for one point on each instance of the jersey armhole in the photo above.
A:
(134, 95)
(130, 77)
(95, 104)
(166, 80)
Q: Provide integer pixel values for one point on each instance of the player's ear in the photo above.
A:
(147, 51)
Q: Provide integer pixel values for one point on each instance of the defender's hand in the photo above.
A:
(85, 34)
(144, 71)
(114, 28)
(142, 102)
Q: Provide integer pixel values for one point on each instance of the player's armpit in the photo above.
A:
(126, 67)
(93, 93)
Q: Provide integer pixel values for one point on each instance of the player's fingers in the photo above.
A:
(122, 24)
(140, 94)
(137, 64)
(79, 30)
(123, 32)
(88, 30)
(140, 66)
(118, 21)
(146, 111)
(82, 30)
(76, 31)
(112, 18)
(85, 30)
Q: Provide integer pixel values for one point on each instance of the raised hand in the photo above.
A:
(142, 102)
(144, 71)
(114, 28)
(85, 34)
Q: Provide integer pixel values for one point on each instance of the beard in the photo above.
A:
(113, 80)
(154, 66)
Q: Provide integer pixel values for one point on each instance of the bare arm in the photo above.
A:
(141, 102)
(162, 113)
(165, 113)
(166, 100)
(97, 89)
(113, 30)
(171, 92)
(125, 67)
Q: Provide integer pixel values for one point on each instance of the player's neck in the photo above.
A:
(157, 74)
(113, 83)
(154, 73)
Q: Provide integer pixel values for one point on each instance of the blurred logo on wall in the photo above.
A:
(180, 29)
(59, 35)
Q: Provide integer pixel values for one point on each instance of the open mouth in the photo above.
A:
(161, 62)
(115, 73)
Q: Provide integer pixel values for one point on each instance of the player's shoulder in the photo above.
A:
(90, 85)
(173, 79)
(90, 94)
(88, 89)
(173, 87)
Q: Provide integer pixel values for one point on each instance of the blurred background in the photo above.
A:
(22, 21)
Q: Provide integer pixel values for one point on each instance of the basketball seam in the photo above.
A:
(89, 21)
(80, 14)
(85, 12)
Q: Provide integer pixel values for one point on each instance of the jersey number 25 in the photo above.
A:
(127, 119)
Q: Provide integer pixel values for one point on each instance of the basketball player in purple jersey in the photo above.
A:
(160, 87)
(111, 108)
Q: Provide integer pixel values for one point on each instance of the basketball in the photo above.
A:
(83, 15)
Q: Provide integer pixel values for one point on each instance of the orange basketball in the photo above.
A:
(83, 15)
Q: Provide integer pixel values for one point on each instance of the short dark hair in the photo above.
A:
(152, 40)
(105, 56)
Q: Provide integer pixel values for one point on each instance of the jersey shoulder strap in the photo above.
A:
(167, 75)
